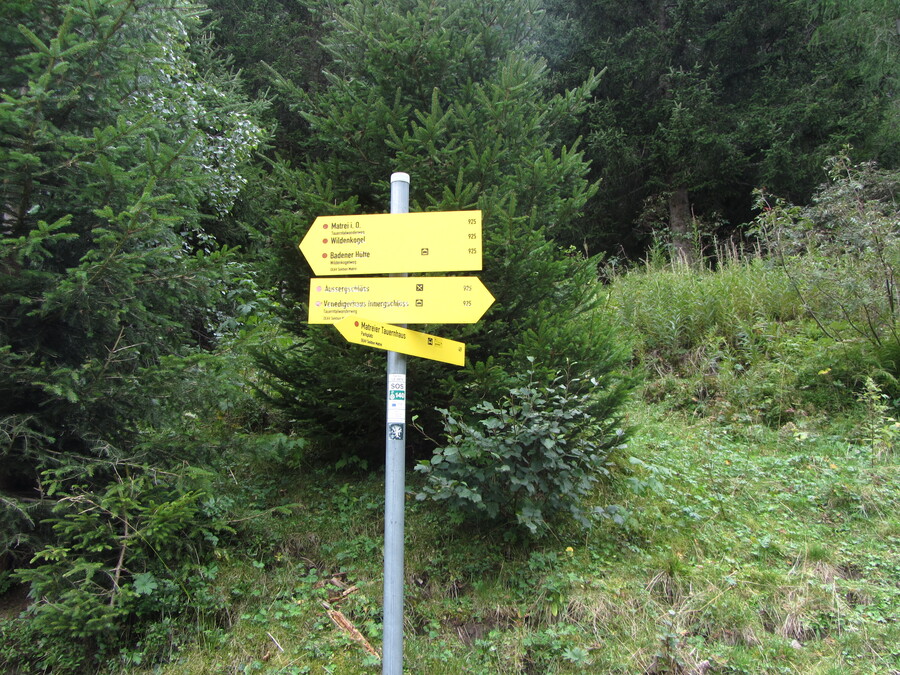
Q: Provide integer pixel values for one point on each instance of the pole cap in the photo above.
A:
(400, 177)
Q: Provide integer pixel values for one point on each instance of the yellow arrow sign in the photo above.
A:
(395, 339)
(399, 299)
(447, 241)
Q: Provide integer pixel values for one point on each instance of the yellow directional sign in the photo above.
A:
(446, 241)
(399, 299)
(393, 338)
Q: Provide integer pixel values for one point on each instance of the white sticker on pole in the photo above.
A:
(396, 404)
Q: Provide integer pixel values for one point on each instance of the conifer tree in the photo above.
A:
(452, 94)
(704, 101)
(117, 152)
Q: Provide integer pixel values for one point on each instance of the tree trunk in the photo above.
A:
(680, 225)
(679, 202)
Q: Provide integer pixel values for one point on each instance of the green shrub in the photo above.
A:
(842, 254)
(531, 458)
(123, 557)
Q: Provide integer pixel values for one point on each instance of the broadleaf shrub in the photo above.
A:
(531, 457)
(842, 254)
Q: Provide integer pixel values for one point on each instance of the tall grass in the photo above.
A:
(794, 327)
(736, 340)
(674, 310)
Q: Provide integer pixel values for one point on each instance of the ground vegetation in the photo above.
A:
(679, 461)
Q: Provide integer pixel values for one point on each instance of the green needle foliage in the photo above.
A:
(703, 101)
(450, 94)
(118, 151)
(125, 554)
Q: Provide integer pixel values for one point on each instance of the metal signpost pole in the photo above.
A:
(394, 482)
(337, 246)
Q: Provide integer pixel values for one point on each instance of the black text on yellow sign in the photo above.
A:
(421, 300)
(380, 335)
(445, 241)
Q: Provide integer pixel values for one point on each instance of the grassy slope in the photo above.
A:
(744, 550)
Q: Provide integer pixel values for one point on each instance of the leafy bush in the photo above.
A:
(842, 254)
(531, 458)
(123, 557)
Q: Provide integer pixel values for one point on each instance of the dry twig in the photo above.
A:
(344, 624)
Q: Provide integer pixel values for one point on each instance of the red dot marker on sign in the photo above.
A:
(356, 323)
(324, 255)
(325, 226)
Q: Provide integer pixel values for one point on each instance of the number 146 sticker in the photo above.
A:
(396, 412)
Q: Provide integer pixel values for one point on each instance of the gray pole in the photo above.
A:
(394, 482)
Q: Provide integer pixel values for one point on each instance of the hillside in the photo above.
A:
(669, 445)
(739, 549)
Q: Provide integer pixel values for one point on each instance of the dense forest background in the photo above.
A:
(689, 204)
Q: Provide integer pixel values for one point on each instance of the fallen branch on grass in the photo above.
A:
(344, 624)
